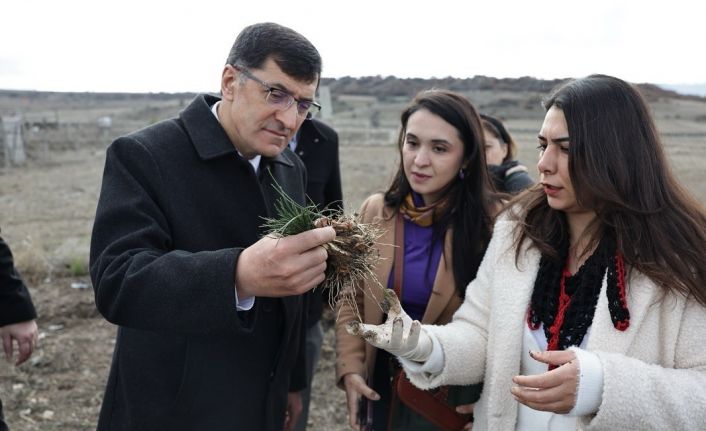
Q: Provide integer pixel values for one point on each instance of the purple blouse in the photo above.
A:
(421, 262)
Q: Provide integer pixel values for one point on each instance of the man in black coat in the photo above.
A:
(317, 145)
(17, 315)
(211, 312)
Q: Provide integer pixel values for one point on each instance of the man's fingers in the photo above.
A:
(312, 238)
(25, 350)
(310, 277)
(7, 346)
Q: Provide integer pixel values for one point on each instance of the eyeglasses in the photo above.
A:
(283, 100)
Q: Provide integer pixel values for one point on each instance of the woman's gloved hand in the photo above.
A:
(399, 335)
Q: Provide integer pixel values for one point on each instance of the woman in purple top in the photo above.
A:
(437, 217)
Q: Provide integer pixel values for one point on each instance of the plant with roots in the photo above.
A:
(352, 255)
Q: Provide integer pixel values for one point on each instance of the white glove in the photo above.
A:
(399, 335)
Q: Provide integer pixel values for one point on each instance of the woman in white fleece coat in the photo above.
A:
(589, 308)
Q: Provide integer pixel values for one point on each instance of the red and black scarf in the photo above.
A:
(565, 303)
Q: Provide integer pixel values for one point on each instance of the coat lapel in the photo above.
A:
(272, 175)
(603, 335)
(444, 284)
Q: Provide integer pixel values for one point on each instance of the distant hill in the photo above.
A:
(687, 89)
(390, 86)
(382, 88)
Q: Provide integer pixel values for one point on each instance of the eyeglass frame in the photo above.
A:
(291, 99)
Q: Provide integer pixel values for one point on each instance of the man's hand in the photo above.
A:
(356, 389)
(294, 410)
(26, 336)
(399, 335)
(553, 391)
(286, 266)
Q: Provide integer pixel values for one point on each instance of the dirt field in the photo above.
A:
(46, 214)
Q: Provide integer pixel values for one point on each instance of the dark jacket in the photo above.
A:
(177, 206)
(15, 303)
(510, 177)
(317, 146)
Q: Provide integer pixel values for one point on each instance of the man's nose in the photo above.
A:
(288, 116)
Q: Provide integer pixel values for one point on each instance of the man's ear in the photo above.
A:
(229, 82)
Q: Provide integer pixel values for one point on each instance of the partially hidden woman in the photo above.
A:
(437, 217)
(589, 309)
(508, 174)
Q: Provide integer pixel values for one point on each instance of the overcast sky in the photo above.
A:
(175, 45)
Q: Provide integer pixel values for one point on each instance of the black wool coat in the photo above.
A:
(317, 146)
(15, 303)
(177, 206)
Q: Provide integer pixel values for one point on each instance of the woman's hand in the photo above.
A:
(356, 389)
(399, 335)
(554, 391)
(466, 409)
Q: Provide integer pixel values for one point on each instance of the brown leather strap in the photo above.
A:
(399, 256)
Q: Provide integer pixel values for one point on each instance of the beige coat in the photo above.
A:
(354, 355)
(654, 372)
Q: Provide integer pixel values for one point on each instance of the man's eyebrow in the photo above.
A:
(281, 87)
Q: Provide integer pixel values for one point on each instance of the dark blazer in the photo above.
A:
(317, 146)
(177, 206)
(15, 303)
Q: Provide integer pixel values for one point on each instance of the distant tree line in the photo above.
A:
(379, 86)
(391, 86)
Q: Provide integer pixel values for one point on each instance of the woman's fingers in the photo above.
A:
(553, 391)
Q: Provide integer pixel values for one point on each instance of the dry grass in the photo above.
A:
(46, 215)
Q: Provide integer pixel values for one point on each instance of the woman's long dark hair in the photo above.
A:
(618, 168)
(470, 197)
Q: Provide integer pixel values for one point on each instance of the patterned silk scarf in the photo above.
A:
(424, 216)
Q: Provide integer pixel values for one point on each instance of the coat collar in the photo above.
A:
(207, 135)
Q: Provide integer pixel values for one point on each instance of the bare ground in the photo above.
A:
(46, 215)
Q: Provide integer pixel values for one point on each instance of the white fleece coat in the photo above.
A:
(654, 372)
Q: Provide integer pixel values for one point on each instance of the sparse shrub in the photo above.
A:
(78, 266)
(31, 261)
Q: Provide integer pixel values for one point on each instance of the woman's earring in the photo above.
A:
(461, 174)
